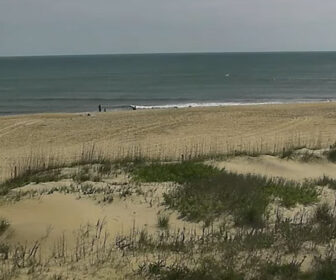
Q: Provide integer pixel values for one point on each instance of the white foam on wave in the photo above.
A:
(213, 104)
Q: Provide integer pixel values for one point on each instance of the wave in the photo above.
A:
(219, 104)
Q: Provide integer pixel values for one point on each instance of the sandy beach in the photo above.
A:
(94, 202)
(166, 133)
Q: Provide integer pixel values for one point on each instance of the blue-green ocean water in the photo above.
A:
(80, 83)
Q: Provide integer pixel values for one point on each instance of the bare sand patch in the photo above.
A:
(275, 167)
(49, 216)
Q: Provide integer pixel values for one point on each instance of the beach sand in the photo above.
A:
(160, 134)
(166, 133)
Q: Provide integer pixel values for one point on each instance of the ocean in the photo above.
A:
(81, 83)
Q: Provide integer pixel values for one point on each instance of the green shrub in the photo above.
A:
(291, 192)
(175, 172)
(244, 196)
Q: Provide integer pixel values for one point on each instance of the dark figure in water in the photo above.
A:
(99, 108)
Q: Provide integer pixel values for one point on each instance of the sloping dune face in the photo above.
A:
(275, 167)
(47, 212)
(97, 221)
(165, 133)
(57, 214)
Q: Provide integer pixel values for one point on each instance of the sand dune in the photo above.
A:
(275, 167)
(48, 216)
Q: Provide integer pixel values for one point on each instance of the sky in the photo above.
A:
(59, 27)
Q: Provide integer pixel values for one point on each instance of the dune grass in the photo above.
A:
(30, 176)
(331, 155)
(325, 181)
(205, 192)
(246, 197)
(181, 172)
(4, 225)
(163, 221)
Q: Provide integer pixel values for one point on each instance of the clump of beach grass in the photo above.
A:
(205, 192)
(246, 197)
(30, 176)
(175, 172)
(325, 181)
(82, 175)
(331, 155)
(286, 271)
(323, 214)
(163, 221)
(4, 225)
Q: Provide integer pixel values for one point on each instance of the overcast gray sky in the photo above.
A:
(41, 27)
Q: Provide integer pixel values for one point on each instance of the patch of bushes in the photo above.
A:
(243, 196)
(176, 172)
(291, 192)
(29, 177)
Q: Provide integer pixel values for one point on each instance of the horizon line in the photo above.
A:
(165, 53)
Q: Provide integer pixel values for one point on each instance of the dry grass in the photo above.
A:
(165, 134)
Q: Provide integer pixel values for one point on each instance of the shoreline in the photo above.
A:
(149, 108)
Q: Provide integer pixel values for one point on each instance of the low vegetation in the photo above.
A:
(30, 176)
(163, 221)
(325, 181)
(205, 193)
(4, 225)
(331, 155)
(239, 228)
(176, 172)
